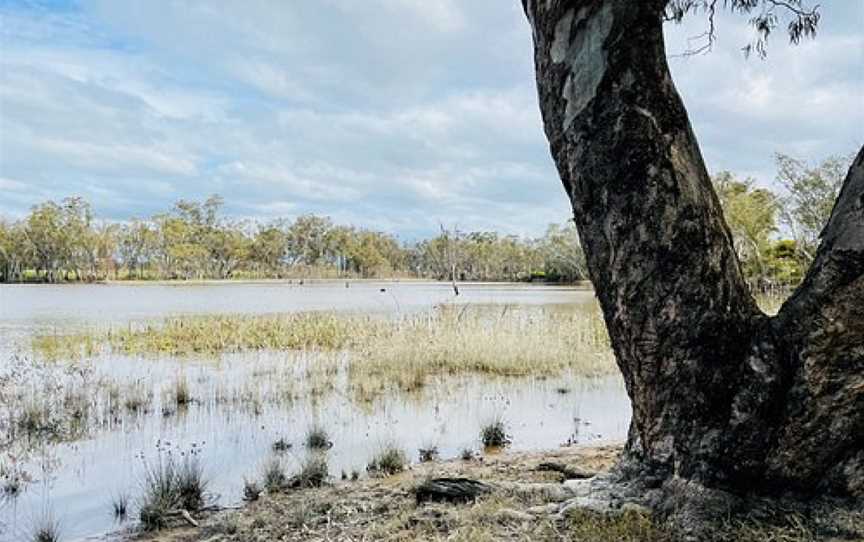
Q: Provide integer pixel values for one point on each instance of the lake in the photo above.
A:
(244, 402)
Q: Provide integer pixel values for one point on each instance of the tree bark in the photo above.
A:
(722, 394)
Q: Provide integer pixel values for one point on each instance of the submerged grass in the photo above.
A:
(208, 335)
(216, 334)
(404, 352)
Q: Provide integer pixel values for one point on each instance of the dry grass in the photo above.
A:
(453, 343)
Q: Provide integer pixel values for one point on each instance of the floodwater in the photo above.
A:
(243, 403)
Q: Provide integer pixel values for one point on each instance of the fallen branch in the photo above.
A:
(569, 474)
(451, 490)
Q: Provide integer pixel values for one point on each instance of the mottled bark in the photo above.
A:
(722, 394)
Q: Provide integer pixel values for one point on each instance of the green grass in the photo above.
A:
(216, 334)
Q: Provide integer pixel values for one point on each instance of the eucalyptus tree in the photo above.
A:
(44, 232)
(137, 246)
(751, 214)
(563, 257)
(268, 249)
(15, 251)
(812, 192)
(723, 396)
(307, 239)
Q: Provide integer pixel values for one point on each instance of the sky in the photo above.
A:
(397, 115)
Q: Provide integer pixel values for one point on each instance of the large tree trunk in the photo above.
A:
(722, 394)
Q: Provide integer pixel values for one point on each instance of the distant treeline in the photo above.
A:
(63, 241)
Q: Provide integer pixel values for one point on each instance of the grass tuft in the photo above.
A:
(120, 505)
(388, 461)
(46, 529)
(171, 485)
(428, 453)
(317, 438)
(313, 472)
(494, 434)
(281, 445)
(273, 475)
(182, 393)
(251, 490)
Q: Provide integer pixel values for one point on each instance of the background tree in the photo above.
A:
(751, 214)
(65, 241)
(562, 254)
(268, 249)
(137, 246)
(812, 192)
(49, 241)
(307, 239)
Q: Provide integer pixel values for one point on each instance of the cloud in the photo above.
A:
(393, 114)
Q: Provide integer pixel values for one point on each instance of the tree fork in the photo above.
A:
(722, 394)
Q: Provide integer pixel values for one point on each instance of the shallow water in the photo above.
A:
(243, 403)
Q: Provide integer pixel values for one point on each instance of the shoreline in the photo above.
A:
(374, 508)
(301, 281)
(527, 497)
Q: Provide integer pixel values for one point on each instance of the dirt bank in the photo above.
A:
(521, 507)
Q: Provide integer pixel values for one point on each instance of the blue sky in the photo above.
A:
(392, 114)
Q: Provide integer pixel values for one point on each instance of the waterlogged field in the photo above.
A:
(109, 391)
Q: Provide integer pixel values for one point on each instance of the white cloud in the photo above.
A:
(395, 114)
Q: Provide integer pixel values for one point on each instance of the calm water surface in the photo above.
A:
(240, 406)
